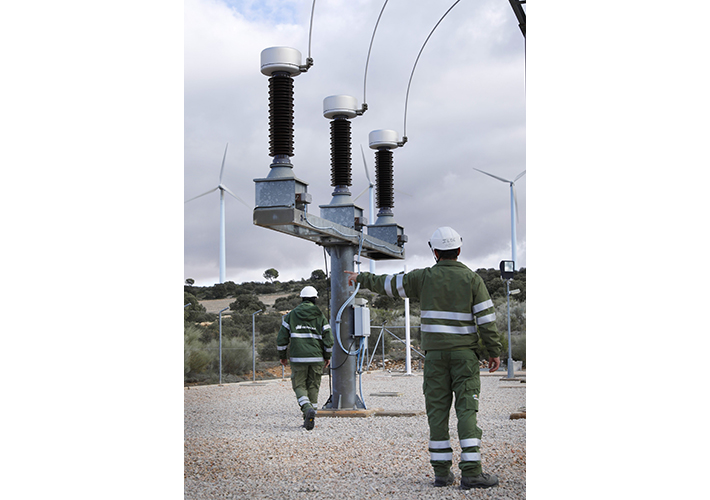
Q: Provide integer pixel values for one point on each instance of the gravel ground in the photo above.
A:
(247, 441)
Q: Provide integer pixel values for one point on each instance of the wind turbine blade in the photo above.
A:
(221, 171)
(235, 196)
(494, 176)
(519, 175)
(363, 192)
(515, 200)
(364, 163)
(402, 192)
(203, 194)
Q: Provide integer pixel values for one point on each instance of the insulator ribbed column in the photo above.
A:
(340, 156)
(281, 114)
(385, 178)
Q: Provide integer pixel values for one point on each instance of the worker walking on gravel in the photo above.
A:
(305, 333)
(456, 310)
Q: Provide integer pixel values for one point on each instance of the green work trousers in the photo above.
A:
(447, 373)
(305, 380)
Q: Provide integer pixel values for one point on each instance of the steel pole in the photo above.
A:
(253, 346)
(342, 365)
(511, 369)
(407, 333)
(220, 344)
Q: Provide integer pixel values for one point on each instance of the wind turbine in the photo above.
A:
(372, 198)
(513, 209)
(222, 189)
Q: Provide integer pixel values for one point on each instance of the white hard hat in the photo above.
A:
(445, 238)
(309, 291)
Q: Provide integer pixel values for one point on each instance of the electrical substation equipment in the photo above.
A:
(282, 202)
(362, 318)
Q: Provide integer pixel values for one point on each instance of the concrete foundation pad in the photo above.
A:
(399, 413)
(347, 413)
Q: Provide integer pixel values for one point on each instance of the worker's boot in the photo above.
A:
(483, 480)
(440, 481)
(309, 419)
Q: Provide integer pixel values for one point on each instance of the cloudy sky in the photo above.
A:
(466, 109)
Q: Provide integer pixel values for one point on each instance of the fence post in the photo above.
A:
(220, 345)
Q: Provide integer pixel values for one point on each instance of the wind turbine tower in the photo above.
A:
(513, 211)
(222, 232)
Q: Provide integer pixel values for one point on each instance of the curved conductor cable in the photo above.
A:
(310, 32)
(345, 304)
(367, 62)
(309, 59)
(406, 99)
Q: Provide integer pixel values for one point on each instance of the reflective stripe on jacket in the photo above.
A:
(306, 334)
(455, 305)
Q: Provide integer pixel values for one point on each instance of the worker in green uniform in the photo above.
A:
(456, 310)
(305, 333)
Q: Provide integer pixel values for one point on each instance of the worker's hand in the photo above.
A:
(352, 277)
(284, 362)
(327, 364)
(493, 364)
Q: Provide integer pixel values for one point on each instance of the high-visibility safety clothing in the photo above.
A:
(305, 337)
(456, 310)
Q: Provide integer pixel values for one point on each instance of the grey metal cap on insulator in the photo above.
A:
(336, 105)
(285, 59)
(383, 139)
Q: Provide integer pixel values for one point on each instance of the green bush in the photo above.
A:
(197, 360)
(267, 350)
(517, 316)
(519, 348)
(287, 303)
(236, 355)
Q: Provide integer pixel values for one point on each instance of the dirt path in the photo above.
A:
(214, 306)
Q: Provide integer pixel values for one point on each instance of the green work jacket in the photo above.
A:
(456, 308)
(307, 332)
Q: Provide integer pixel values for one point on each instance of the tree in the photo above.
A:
(193, 312)
(189, 281)
(317, 275)
(271, 275)
(247, 303)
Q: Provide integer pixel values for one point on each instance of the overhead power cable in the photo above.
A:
(367, 62)
(406, 100)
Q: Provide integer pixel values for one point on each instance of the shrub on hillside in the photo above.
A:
(236, 355)
(197, 360)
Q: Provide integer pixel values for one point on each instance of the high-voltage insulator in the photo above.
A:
(384, 141)
(281, 114)
(340, 108)
(340, 158)
(384, 178)
(281, 188)
(385, 228)
(281, 64)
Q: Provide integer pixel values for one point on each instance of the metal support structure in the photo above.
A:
(220, 344)
(342, 364)
(407, 335)
(282, 200)
(253, 345)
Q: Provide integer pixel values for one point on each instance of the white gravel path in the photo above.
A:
(247, 441)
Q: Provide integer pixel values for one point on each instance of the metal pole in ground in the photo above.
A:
(220, 344)
(511, 368)
(407, 334)
(253, 345)
(343, 364)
